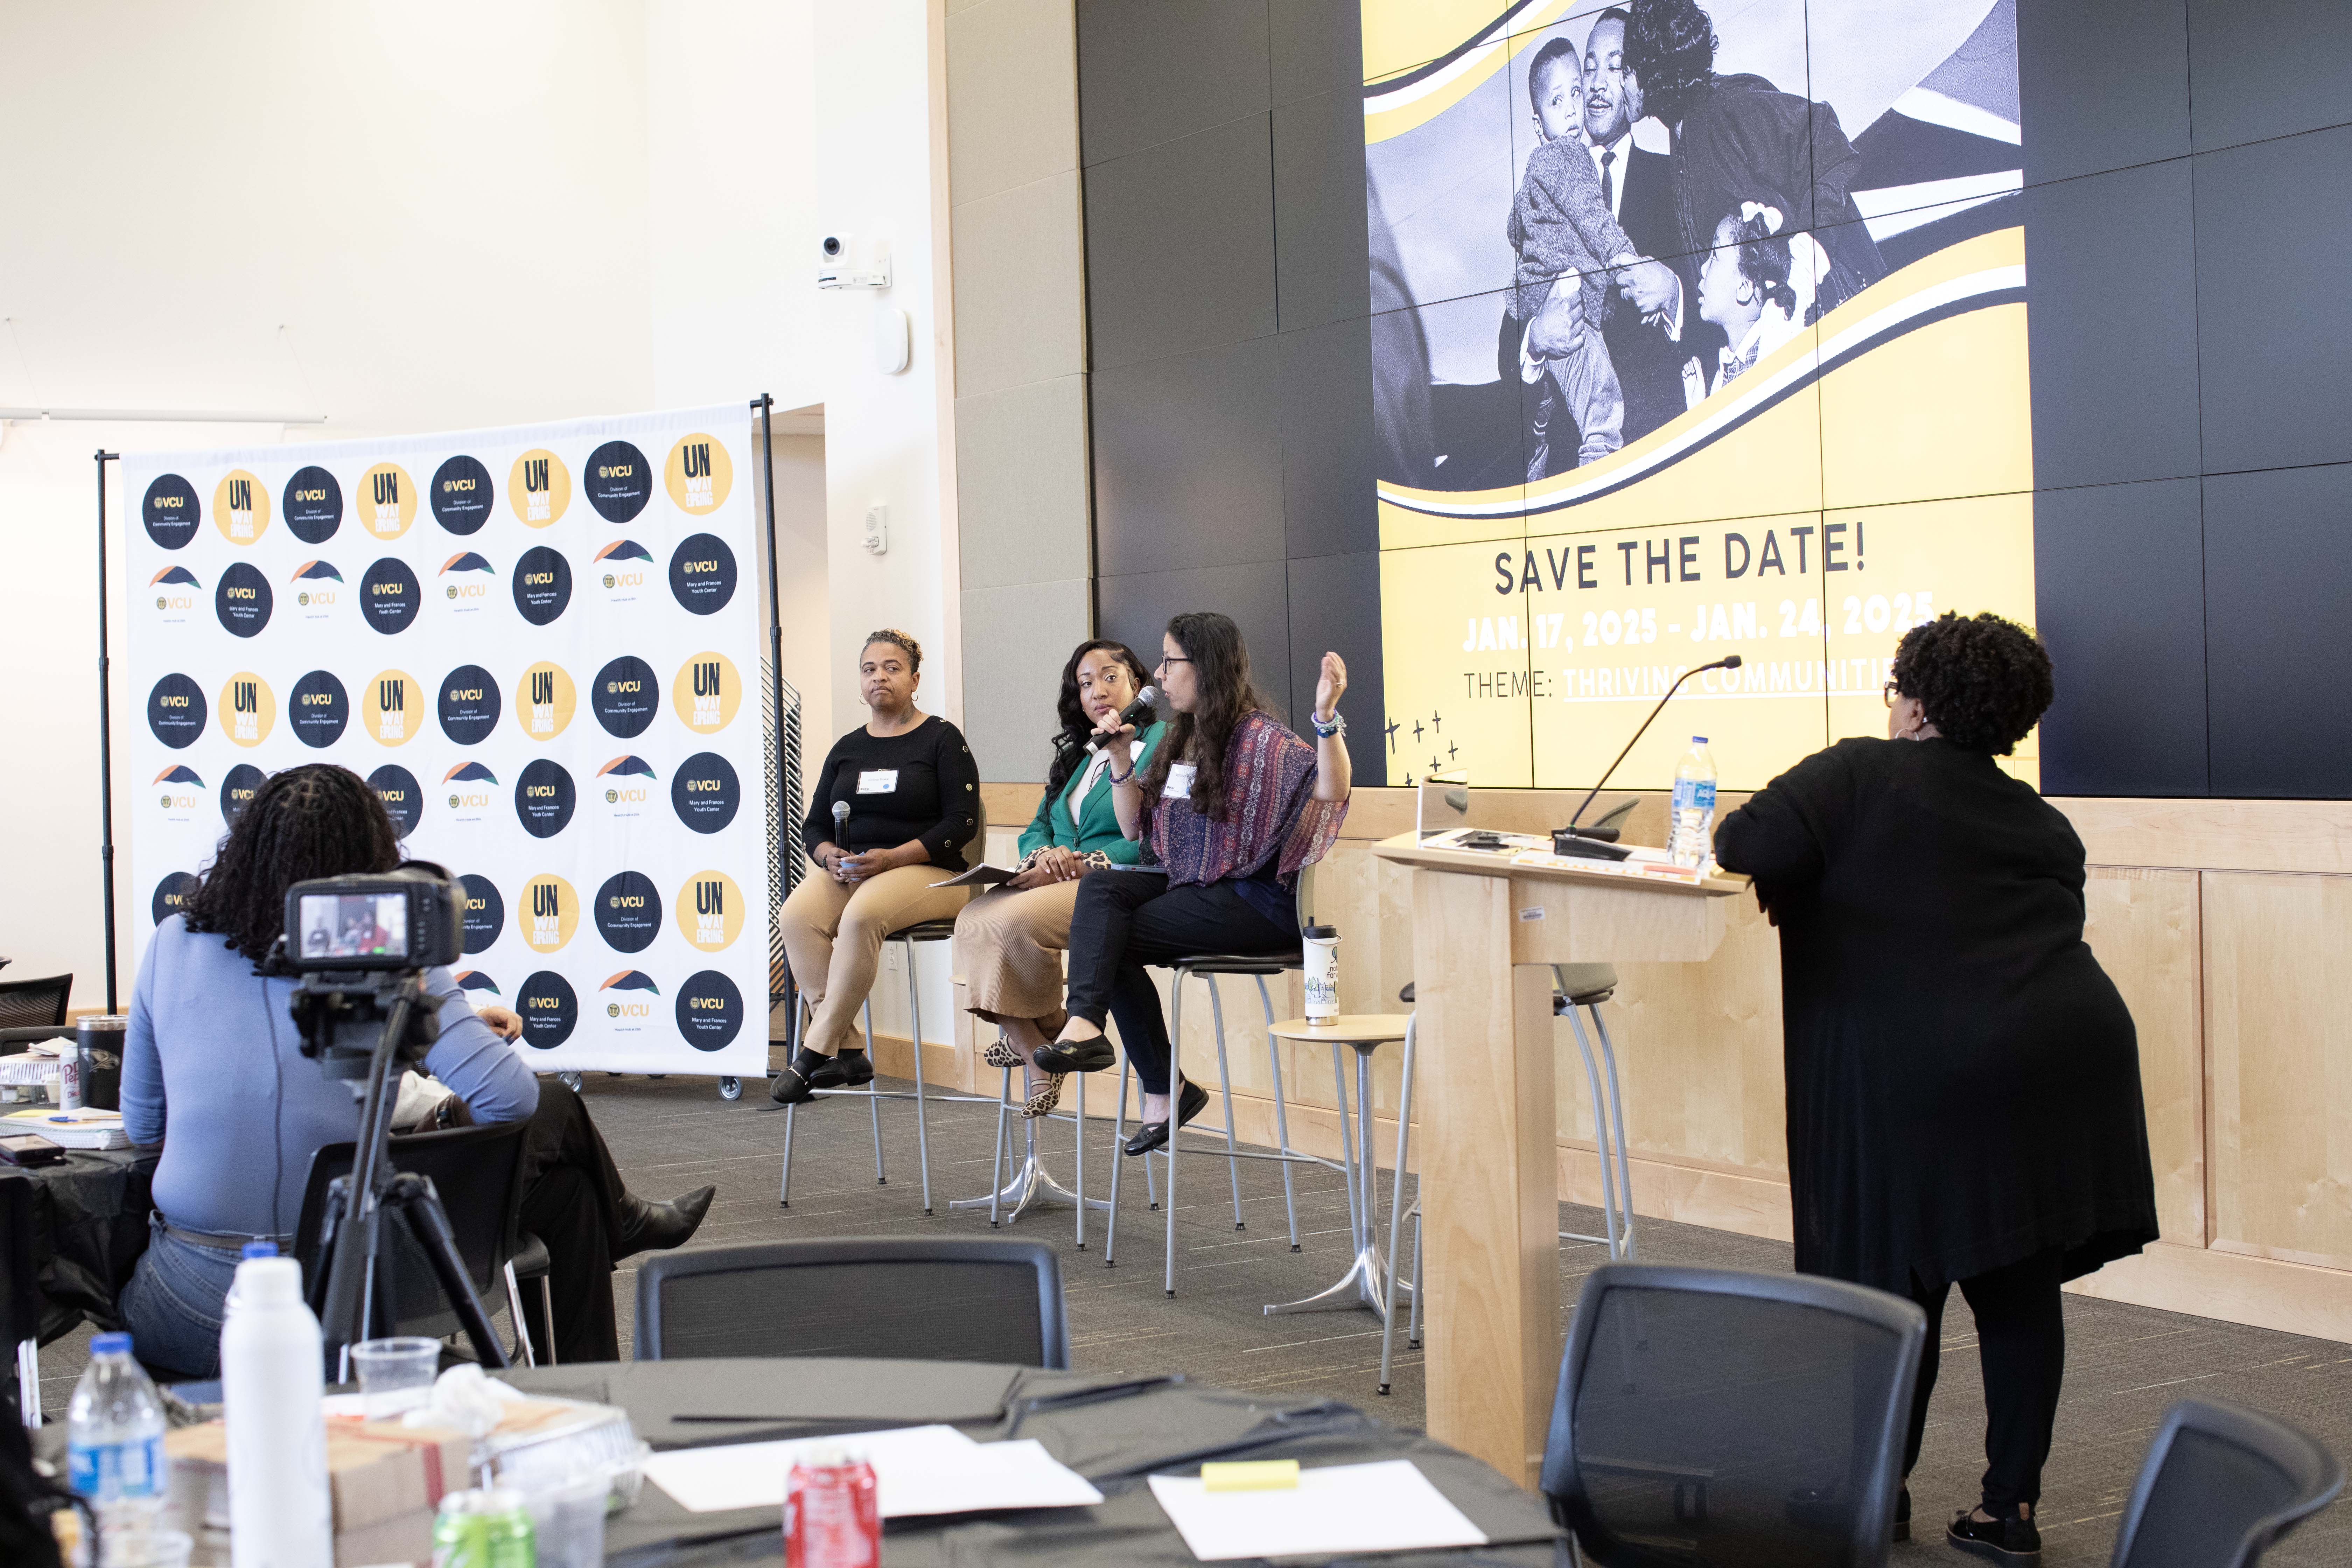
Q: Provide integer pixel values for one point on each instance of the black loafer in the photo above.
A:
(790, 1087)
(2013, 1543)
(847, 1070)
(1078, 1056)
(1152, 1135)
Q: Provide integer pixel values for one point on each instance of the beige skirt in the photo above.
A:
(1011, 944)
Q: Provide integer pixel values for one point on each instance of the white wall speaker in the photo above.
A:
(893, 340)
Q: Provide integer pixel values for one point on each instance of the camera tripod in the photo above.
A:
(351, 1291)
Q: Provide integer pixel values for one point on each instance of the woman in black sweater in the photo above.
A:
(1963, 1079)
(913, 799)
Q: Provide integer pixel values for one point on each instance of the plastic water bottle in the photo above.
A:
(1692, 836)
(272, 1381)
(114, 1439)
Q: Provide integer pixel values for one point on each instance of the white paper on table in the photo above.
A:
(1387, 1506)
(917, 1471)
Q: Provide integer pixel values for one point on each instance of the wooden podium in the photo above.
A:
(1485, 931)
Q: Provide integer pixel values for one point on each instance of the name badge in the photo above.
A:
(1180, 782)
(878, 781)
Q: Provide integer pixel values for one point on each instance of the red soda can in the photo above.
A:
(831, 1518)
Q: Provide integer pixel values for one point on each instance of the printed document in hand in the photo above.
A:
(917, 1471)
(1388, 1506)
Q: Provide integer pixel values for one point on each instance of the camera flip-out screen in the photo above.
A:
(354, 926)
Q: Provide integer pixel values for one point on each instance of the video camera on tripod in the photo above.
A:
(361, 946)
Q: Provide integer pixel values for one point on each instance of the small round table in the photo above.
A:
(1365, 1284)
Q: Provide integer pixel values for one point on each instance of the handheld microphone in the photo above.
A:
(1138, 713)
(840, 818)
(1589, 842)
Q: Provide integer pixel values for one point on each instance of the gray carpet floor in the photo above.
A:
(2125, 1364)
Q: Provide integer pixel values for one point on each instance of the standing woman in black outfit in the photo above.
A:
(1963, 1079)
(913, 794)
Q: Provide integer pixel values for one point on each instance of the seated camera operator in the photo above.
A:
(212, 1070)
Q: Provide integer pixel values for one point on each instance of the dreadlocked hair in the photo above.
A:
(317, 820)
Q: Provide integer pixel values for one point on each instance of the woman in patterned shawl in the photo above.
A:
(1233, 805)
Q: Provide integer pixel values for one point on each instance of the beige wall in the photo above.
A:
(1020, 417)
(2234, 966)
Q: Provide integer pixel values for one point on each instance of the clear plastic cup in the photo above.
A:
(395, 1375)
(143, 1549)
(568, 1520)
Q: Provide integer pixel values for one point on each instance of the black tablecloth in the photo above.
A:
(90, 1226)
(1168, 1429)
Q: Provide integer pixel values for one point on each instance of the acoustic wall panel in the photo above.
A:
(2278, 573)
(1179, 245)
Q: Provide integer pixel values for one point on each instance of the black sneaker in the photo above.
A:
(2013, 1543)
(852, 1068)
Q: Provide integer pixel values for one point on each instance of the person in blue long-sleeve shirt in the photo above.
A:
(213, 1070)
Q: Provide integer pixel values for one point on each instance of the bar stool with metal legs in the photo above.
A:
(1032, 1186)
(922, 930)
(1575, 986)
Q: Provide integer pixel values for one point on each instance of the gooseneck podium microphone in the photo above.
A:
(1597, 843)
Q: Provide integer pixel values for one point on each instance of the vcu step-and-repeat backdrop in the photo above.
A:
(534, 644)
(1794, 426)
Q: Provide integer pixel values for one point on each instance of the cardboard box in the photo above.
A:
(376, 1471)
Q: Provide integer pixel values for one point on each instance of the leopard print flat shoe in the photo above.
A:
(1044, 1097)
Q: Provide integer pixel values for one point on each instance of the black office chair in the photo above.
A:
(27, 1004)
(478, 1172)
(914, 1299)
(20, 1298)
(1712, 1415)
(2221, 1486)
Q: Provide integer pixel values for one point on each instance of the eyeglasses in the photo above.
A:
(1167, 659)
(1891, 693)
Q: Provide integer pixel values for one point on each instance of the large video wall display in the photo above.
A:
(533, 643)
(1699, 328)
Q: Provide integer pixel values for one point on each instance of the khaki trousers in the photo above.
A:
(834, 933)
(1011, 944)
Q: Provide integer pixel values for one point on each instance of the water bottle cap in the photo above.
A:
(259, 1250)
(1698, 740)
(269, 1282)
(110, 1344)
(1322, 934)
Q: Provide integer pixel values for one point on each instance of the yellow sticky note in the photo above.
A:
(1251, 1476)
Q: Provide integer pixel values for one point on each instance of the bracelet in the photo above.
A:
(1120, 778)
(1338, 725)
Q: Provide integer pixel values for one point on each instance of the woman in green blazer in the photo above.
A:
(1011, 940)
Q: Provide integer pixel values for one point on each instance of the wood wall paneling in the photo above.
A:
(2143, 925)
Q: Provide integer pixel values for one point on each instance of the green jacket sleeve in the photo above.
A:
(1040, 831)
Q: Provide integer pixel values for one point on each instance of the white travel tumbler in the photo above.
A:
(1321, 946)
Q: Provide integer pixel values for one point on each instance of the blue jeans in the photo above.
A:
(174, 1304)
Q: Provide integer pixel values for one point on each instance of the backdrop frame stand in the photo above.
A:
(788, 751)
(105, 739)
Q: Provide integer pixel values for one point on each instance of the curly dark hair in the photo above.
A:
(317, 820)
(1228, 694)
(1670, 48)
(1070, 741)
(1981, 681)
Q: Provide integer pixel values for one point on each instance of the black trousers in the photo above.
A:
(2022, 1342)
(572, 1195)
(1124, 919)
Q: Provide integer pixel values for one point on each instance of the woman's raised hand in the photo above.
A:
(1330, 687)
